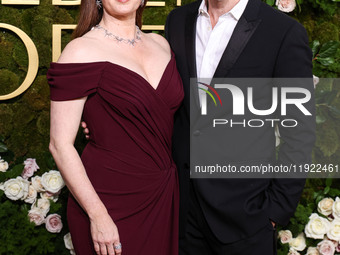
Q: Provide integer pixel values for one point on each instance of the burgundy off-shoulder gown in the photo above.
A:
(128, 158)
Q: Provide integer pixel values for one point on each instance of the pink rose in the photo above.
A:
(286, 5)
(53, 223)
(35, 215)
(326, 247)
(30, 167)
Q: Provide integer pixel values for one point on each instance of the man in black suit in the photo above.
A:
(238, 216)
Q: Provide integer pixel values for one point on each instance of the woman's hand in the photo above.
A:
(105, 235)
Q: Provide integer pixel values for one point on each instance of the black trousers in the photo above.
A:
(200, 240)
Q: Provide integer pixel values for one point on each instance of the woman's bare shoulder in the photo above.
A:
(160, 40)
(79, 50)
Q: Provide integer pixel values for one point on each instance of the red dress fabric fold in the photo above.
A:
(128, 158)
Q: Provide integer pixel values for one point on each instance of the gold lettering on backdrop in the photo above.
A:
(153, 27)
(33, 61)
(65, 2)
(33, 58)
(56, 39)
(21, 2)
(155, 3)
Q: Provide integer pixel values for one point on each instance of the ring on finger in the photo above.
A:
(118, 246)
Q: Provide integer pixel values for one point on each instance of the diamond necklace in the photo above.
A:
(120, 39)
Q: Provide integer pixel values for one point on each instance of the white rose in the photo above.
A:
(334, 232)
(312, 251)
(317, 227)
(336, 208)
(36, 182)
(72, 252)
(286, 5)
(285, 236)
(32, 195)
(325, 206)
(16, 188)
(68, 241)
(3, 165)
(293, 252)
(298, 243)
(52, 181)
(2, 186)
(50, 196)
(42, 204)
(37, 216)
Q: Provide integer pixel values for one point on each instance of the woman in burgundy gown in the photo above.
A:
(125, 187)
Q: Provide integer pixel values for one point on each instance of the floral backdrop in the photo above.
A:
(32, 192)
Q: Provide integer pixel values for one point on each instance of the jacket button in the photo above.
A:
(196, 133)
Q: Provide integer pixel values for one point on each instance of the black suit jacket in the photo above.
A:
(265, 43)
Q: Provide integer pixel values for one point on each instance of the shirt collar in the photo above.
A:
(237, 11)
(203, 10)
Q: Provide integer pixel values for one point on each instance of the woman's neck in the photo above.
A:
(121, 26)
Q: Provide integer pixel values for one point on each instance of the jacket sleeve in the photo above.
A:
(294, 61)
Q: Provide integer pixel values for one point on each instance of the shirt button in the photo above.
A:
(197, 133)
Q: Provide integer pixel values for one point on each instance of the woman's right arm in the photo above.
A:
(65, 119)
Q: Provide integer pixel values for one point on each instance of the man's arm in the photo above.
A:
(294, 61)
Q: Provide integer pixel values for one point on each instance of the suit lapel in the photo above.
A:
(245, 28)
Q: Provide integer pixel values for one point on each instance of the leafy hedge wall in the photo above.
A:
(24, 120)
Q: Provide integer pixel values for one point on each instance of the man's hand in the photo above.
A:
(86, 131)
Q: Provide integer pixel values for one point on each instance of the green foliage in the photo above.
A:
(21, 236)
(315, 191)
(9, 81)
(12, 173)
(326, 58)
(327, 149)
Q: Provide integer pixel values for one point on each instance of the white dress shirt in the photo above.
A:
(211, 43)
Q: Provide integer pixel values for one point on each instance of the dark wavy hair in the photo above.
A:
(90, 16)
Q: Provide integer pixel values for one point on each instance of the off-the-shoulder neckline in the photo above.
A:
(122, 67)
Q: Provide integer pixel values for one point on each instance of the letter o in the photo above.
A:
(33, 61)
